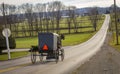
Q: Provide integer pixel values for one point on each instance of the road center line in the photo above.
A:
(14, 67)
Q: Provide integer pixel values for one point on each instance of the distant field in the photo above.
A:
(71, 39)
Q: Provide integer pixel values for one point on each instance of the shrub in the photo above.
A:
(12, 43)
(3, 46)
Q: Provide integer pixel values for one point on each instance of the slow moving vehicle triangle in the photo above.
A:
(45, 47)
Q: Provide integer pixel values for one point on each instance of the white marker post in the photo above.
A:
(6, 32)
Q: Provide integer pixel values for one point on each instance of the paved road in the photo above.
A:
(74, 57)
(106, 61)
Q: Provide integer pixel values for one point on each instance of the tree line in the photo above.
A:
(46, 17)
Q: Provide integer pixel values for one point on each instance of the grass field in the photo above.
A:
(71, 39)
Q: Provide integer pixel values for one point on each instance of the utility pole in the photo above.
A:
(4, 17)
(6, 32)
(116, 27)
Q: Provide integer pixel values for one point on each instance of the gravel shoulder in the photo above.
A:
(106, 61)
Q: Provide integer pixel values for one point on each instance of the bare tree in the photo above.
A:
(11, 17)
(46, 18)
(51, 10)
(74, 17)
(58, 6)
(94, 17)
(28, 10)
(71, 18)
(8, 12)
(4, 11)
(40, 9)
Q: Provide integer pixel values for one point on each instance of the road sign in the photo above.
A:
(6, 33)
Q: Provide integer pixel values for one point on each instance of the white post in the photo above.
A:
(7, 43)
(6, 33)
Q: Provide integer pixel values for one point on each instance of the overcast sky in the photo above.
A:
(77, 3)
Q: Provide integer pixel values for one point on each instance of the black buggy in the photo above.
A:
(49, 45)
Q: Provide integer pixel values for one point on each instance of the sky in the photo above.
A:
(77, 3)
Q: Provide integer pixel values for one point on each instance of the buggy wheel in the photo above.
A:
(33, 56)
(41, 57)
(56, 56)
(62, 54)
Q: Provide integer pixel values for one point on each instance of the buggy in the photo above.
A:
(49, 45)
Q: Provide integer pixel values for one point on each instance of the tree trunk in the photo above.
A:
(0, 51)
